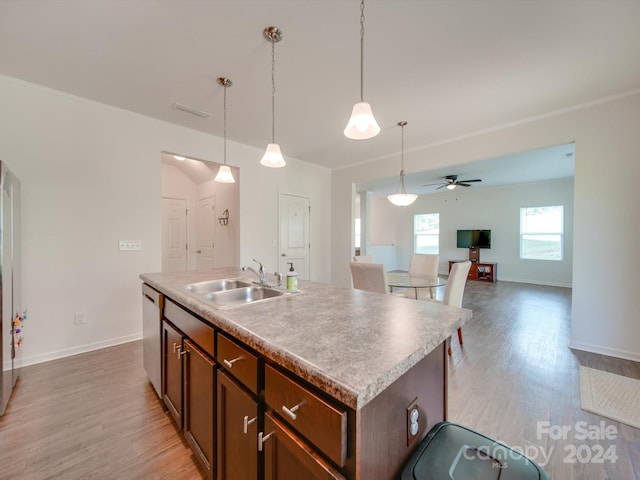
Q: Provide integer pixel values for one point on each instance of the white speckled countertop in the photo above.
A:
(349, 343)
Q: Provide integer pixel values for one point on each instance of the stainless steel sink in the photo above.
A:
(210, 286)
(244, 295)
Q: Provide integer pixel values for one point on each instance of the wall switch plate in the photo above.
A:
(126, 245)
(79, 318)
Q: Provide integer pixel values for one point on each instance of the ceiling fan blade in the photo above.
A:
(462, 184)
(432, 184)
(469, 181)
(441, 186)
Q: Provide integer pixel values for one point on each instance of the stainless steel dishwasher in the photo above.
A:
(151, 336)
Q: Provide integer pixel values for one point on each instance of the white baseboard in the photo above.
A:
(68, 352)
(611, 352)
(548, 284)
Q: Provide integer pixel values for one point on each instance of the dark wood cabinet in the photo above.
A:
(286, 456)
(199, 404)
(172, 371)
(238, 416)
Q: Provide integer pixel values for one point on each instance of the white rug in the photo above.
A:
(612, 396)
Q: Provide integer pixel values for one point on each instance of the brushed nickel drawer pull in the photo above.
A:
(263, 438)
(291, 411)
(180, 354)
(247, 422)
(176, 347)
(229, 363)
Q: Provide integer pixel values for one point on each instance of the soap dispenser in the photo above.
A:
(292, 279)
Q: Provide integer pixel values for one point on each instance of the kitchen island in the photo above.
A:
(342, 383)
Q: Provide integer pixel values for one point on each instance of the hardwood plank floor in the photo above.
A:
(91, 416)
(96, 416)
(516, 370)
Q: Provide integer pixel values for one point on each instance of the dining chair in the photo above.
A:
(363, 258)
(425, 265)
(454, 290)
(369, 276)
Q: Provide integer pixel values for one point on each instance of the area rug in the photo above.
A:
(612, 396)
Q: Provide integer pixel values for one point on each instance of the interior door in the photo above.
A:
(295, 244)
(206, 233)
(174, 234)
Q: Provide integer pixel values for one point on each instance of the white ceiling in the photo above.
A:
(448, 68)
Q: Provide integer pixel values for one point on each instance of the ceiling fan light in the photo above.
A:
(273, 157)
(224, 175)
(362, 124)
(402, 199)
(451, 186)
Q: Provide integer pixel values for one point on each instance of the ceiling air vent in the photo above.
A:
(192, 111)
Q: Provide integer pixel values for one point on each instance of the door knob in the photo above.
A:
(198, 251)
(283, 254)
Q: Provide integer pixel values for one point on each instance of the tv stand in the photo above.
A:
(483, 271)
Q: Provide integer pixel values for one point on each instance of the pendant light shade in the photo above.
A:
(272, 156)
(224, 172)
(403, 198)
(362, 124)
(224, 175)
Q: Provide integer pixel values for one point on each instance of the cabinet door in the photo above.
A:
(199, 404)
(172, 371)
(286, 456)
(237, 432)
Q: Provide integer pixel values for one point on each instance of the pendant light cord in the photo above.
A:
(225, 124)
(404, 191)
(273, 91)
(362, 50)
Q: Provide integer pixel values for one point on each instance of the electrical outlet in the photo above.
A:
(80, 318)
(415, 422)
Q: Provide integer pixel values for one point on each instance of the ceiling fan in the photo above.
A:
(452, 182)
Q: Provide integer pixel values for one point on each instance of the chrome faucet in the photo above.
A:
(261, 273)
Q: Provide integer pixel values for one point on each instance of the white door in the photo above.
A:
(295, 244)
(174, 234)
(206, 233)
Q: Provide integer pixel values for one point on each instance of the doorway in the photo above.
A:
(294, 240)
(206, 242)
(174, 234)
(206, 233)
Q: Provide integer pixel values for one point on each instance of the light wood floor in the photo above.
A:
(95, 416)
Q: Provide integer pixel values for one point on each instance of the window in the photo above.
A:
(426, 233)
(541, 232)
(357, 233)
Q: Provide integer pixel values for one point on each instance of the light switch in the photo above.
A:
(125, 245)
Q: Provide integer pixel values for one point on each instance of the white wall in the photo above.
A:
(90, 176)
(606, 196)
(496, 209)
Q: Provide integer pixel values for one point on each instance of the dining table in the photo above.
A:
(403, 279)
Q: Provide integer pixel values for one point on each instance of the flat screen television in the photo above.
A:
(474, 239)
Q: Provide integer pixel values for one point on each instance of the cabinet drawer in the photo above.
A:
(194, 328)
(322, 423)
(239, 362)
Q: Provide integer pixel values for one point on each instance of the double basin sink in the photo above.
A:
(232, 292)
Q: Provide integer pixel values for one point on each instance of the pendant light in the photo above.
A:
(362, 124)
(272, 156)
(403, 198)
(224, 172)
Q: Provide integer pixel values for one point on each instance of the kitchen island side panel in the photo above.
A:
(382, 424)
